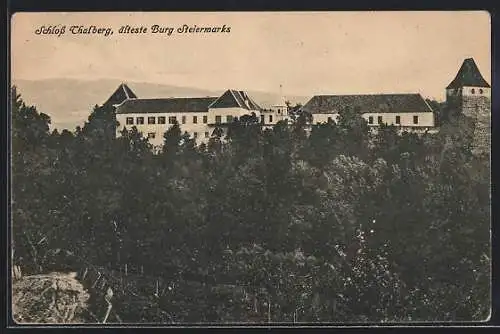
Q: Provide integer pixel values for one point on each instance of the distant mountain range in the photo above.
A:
(69, 101)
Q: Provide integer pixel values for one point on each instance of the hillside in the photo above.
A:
(69, 101)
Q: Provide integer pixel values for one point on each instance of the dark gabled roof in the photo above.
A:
(325, 104)
(468, 75)
(122, 93)
(166, 105)
(235, 99)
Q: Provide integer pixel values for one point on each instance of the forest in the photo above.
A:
(295, 224)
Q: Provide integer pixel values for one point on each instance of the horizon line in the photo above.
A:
(121, 81)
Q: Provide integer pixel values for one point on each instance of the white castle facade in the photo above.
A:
(198, 116)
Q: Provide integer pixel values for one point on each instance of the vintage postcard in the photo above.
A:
(250, 168)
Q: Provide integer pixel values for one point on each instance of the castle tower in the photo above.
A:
(469, 94)
(280, 107)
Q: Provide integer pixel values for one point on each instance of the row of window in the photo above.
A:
(472, 91)
(380, 120)
(263, 119)
(173, 119)
(229, 119)
(152, 135)
(398, 120)
(162, 120)
(218, 119)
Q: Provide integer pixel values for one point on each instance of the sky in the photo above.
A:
(308, 53)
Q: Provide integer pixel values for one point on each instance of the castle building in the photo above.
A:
(469, 94)
(409, 112)
(198, 116)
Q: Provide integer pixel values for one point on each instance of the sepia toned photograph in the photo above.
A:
(250, 168)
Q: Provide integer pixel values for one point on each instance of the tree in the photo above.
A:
(268, 225)
(386, 143)
(355, 132)
(323, 144)
(215, 142)
(30, 128)
(102, 124)
(31, 171)
(439, 109)
(171, 144)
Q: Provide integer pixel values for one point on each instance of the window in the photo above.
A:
(205, 119)
(415, 119)
(270, 118)
(151, 120)
(370, 120)
(151, 135)
(262, 119)
(330, 119)
(279, 111)
(480, 91)
(161, 120)
(217, 119)
(229, 119)
(183, 119)
(139, 120)
(129, 120)
(195, 135)
(172, 119)
(379, 119)
(207, 134)
(398, 119)
(195, 119)
(473, 91)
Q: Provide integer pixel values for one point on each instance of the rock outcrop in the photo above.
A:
(50, 298)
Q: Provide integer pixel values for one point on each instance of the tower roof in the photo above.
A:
(468, 75)
(122, 93)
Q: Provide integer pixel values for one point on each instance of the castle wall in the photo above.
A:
(482, 133)
(478, 108)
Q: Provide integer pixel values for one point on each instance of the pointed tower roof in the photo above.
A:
(122, 93)
(468, 75)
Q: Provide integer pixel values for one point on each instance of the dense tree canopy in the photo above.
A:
(261, 225)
